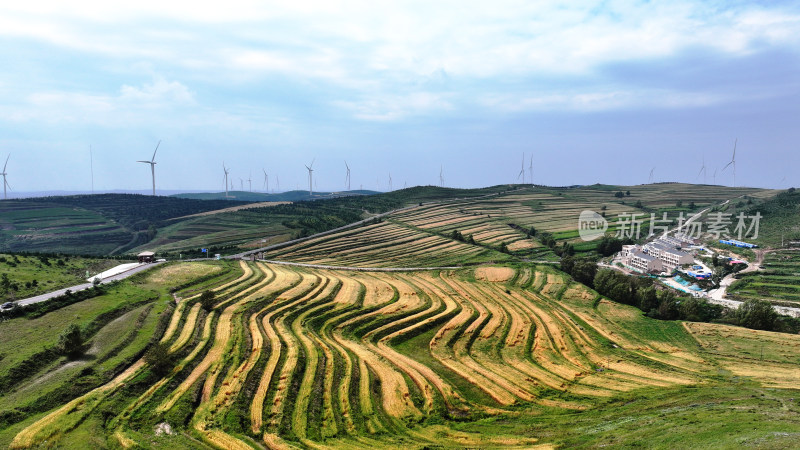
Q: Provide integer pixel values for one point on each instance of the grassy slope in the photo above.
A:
(117, 342)
(89, 224)
(49, 273)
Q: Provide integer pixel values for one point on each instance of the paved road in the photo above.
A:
(80, 287)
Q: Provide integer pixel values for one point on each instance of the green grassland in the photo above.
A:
(33, 275)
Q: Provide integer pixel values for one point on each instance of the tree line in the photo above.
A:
(661, 303)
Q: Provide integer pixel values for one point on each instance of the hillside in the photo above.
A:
(528, 222)
(492, 357)
(288, 196)
(522, 217)
(103, 224)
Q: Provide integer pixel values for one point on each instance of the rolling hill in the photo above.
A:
(498, 356)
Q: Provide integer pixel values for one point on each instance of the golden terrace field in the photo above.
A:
(421, 236)
(295, 357)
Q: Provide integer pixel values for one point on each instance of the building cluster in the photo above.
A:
(662, 255)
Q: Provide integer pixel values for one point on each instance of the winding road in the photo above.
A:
(80, 287)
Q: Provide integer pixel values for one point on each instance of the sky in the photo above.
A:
(594, 92)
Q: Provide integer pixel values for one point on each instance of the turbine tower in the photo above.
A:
(347, 177)
(227, 171)
(266, 180)
(310, 177)
(152, 163)
(91, 166)
(650, 180)
(5, 183)
(390, 181)
(241, 184)
(530, 172)
(441, 177)
(733, 161)
(703, 170)
(250, 181)
(522, 169)
(714, 177)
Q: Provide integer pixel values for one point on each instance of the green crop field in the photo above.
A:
(779, 282)
(496, 356)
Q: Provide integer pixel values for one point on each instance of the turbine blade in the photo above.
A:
(154, 153)
(726, 166)
(6, 164)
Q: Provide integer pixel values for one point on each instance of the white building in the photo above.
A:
(645, 262)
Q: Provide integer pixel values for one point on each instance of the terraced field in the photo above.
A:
(386, 244)
(778, 283)
(422, 236)
(295, 357)
(37, 227)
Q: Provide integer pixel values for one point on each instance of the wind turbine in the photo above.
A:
(250, 181)
(266, 180)
(714, 177)
(733, 161)
(441, 177)
(310, 177)
(650, 180)
(152, 163)
(347, 177)
(227, 171)
(390, 181)
(91, 166)
(703, 170)
(241, 184)
(277, 183)
(530, 171)
(522, 169)
(5, 183)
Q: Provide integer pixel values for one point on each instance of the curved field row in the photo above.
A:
(321, 358)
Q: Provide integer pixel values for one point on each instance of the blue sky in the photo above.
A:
(596, 92)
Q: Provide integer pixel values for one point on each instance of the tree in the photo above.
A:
(567, 264)
(647, 299)
(679, 203)
(756, 314)
(638, 204)
(532, 231)
(628, 193)
(470, 240)
(71, 343)
(207, 300)
(159, 358)
(503, 247)
(584, 271)
(691, 205)
(619, 194)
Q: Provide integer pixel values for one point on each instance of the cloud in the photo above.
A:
(128, 106)
(158, 93)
